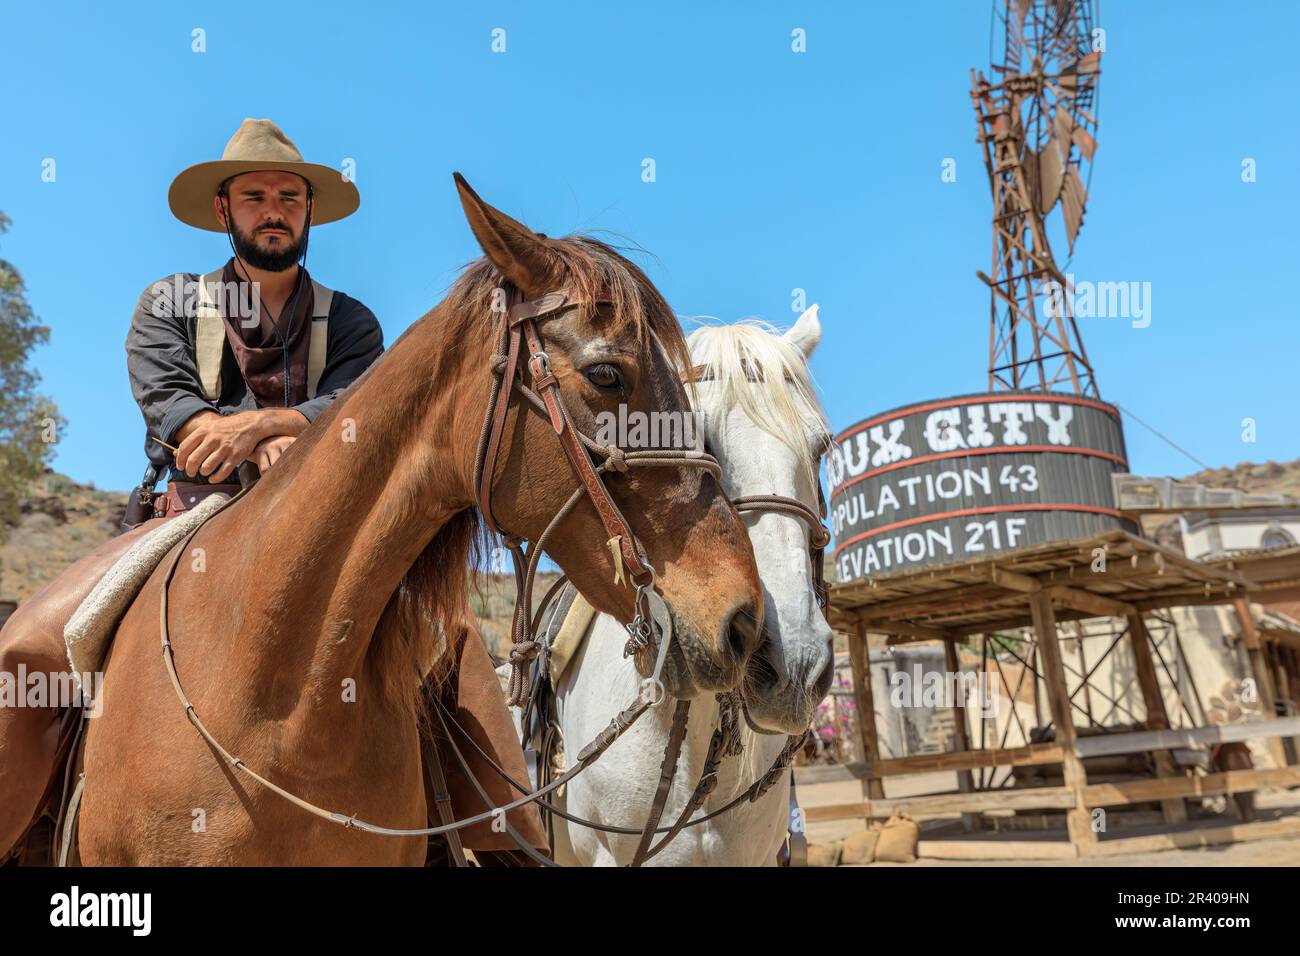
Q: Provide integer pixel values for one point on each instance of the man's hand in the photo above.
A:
(269, 450)
(213, 445)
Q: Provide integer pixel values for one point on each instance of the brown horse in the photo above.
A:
(304, 617)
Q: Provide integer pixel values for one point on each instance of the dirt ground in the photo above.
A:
(1283, 852)
(1274, 852)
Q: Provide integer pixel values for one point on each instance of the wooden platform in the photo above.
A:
(956, 600)
(1113, 574)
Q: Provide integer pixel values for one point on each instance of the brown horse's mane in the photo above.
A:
(592, 269)
(428, 615)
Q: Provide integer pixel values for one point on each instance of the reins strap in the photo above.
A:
(436, 781)
(516, 837)
(667, 771)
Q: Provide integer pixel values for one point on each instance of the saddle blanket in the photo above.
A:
(575, 619)
(90, 630)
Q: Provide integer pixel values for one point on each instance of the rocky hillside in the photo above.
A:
(1279, 478)
(59, 521)
(1271, 477)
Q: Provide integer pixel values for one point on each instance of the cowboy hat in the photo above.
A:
(259, 145)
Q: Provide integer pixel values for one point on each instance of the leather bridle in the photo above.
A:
(630, 564)
(819, 536)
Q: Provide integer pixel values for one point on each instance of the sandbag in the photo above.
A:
(861, 847)
(898, 840)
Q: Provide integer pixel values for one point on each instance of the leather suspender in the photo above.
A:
(319, 341)
(209, 336)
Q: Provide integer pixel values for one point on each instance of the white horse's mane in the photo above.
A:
(758, 370)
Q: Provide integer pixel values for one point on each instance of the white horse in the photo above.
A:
(767, 430)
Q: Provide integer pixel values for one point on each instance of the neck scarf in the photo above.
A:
(259, 348)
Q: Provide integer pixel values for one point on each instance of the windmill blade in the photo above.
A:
(1030, 164)
(1080, 74)
(1087, 65)
(1060, 29)
(1015, 32)
(1051, 163)
(1019, 10)
(1085, 141)
(1073, 197)
(1064, 13)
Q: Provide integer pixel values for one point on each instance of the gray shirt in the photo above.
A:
(165, 377)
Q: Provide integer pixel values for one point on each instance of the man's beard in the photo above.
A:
(248, 250)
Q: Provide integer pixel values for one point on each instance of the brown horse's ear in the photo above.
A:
(513, 248)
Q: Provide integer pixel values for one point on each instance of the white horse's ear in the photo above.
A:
(806, 333)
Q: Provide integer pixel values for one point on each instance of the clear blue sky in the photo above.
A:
(775, 170)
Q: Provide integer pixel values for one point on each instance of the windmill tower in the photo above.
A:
(1038, 125)
(1031, 460)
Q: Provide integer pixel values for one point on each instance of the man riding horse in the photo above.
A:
(233, 365)
(228, 368)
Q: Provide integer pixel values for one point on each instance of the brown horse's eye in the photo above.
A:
(605, 377)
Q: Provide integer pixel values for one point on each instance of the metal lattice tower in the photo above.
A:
(1037, 127)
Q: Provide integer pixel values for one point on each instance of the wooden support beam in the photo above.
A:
(955, 599)
(1148, 679)
(1031, 755)
(860, 666)
(913, 632)
(1173, 809)
(1260, 669)
(1024, 619)
(1013, 580)
(946, 804)
(900, 640)
(1210, 785)
(1087, 601)
(1078, 820)
(965, 783)
(1181, 597)
(1117, 569)
(1145, 740)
